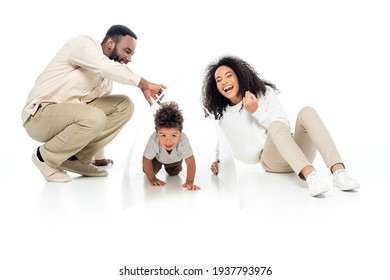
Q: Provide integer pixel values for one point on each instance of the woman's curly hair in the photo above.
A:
(168, 116)
(213, 101)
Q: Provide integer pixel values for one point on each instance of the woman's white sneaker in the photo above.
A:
(342, 180)
(315, 186)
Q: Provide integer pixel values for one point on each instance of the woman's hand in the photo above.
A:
(215, 167)
(250, 102)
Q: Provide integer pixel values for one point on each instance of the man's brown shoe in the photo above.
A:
(85, 169)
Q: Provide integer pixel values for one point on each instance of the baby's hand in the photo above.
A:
(215, 167)
(157, 182)
(190, 186)
(250, 102)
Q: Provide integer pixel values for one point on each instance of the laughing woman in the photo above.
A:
(255, 123)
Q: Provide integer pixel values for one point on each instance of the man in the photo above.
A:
(70, 108)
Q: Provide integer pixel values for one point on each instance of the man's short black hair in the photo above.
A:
(117, 31)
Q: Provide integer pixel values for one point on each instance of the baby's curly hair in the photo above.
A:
(168, 116)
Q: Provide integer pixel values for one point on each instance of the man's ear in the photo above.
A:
(110, 44)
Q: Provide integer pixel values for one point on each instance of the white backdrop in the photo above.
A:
(333, 55)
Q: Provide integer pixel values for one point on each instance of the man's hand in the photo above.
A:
(151, 90)
(102, 162)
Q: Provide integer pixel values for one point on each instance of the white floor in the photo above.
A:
(92, 227)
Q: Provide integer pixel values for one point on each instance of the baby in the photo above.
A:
(168, 146)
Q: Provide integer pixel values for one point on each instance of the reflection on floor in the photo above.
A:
(90, 227)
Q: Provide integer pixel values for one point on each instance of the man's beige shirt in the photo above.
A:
(78, 73)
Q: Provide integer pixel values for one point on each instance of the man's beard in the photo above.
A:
(114, 55)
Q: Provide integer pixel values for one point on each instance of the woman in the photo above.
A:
(258, 130)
